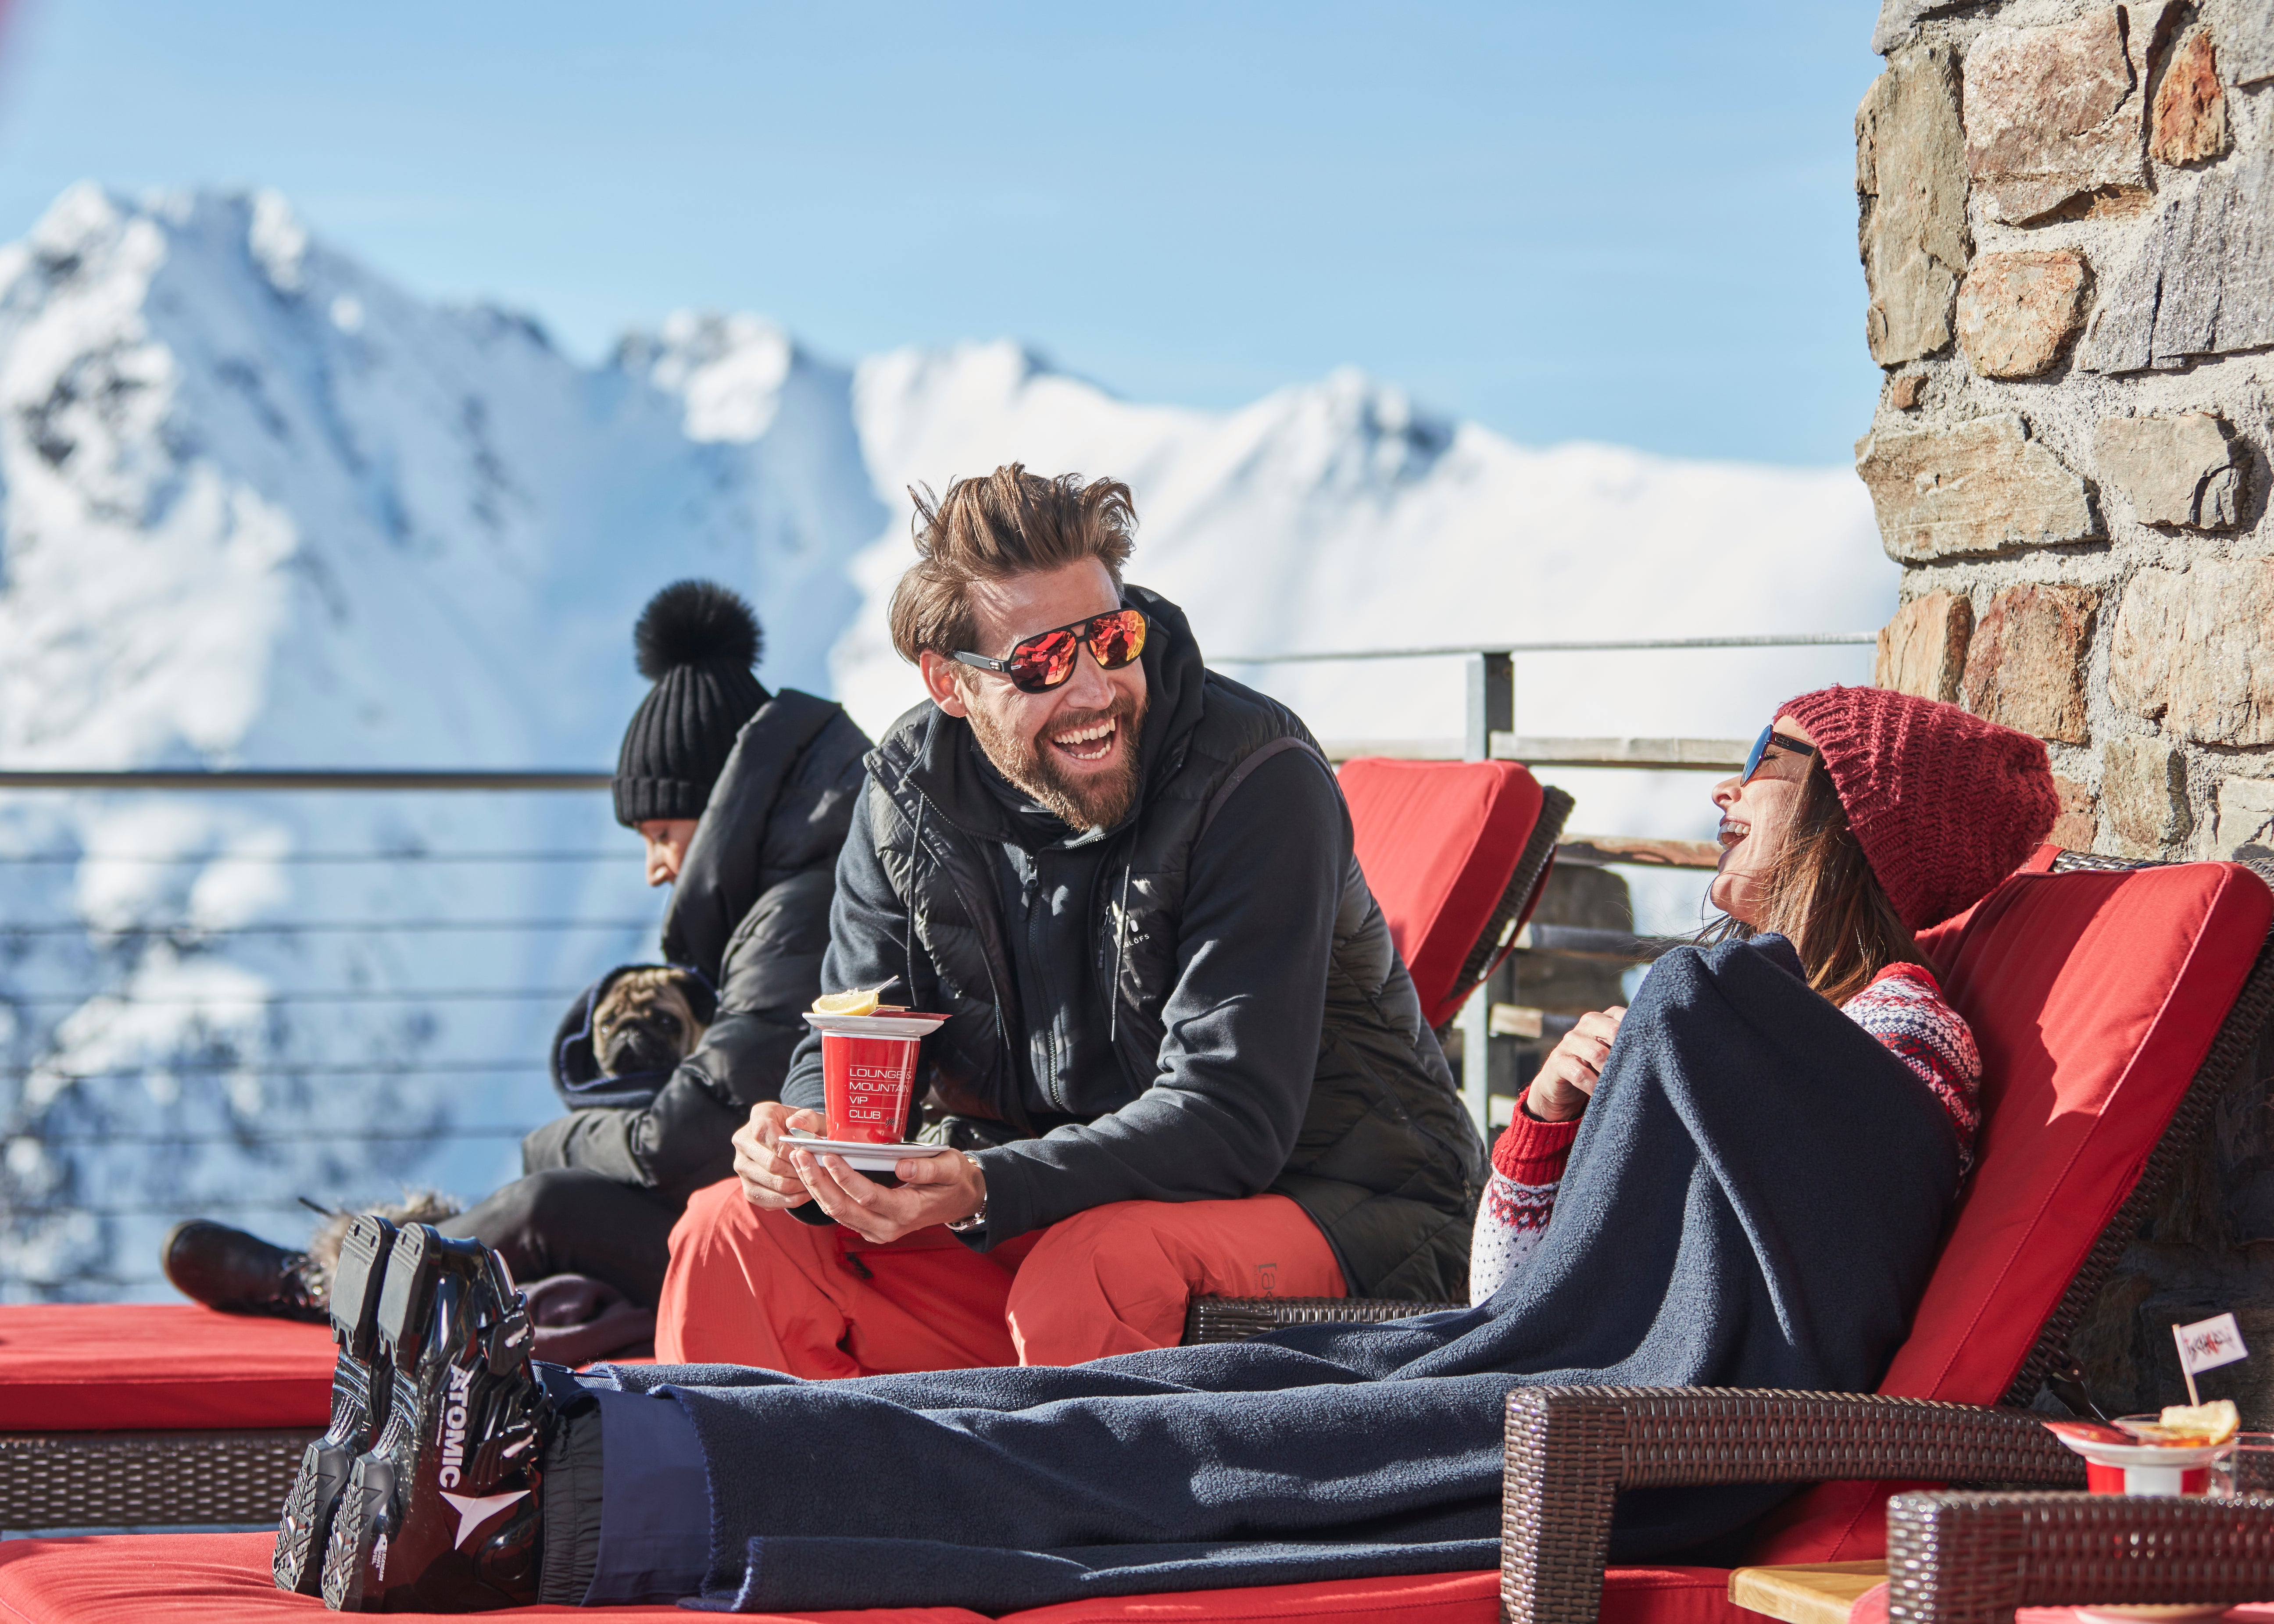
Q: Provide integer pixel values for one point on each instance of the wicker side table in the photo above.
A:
(51, 1480)
(1804, 1592)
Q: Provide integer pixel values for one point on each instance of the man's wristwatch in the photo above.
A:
(978, 1220)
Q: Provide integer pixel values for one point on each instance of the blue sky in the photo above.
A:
(1633, 225)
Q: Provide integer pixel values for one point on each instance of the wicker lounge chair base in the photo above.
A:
(1972, 1559)
(1570, 1450)
(53, 1480)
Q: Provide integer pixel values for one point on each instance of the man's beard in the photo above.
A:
(1098, 800)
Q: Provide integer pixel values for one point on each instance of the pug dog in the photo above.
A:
(645, 1022)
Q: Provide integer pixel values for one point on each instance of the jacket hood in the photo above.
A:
(576, 1075)
(951, 769)
(721, 879)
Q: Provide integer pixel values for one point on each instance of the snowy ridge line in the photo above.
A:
(1801, 640)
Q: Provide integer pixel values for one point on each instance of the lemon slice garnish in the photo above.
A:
(847, 1003)
(2213, 1422)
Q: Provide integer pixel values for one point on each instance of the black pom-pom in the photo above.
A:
(696, 623)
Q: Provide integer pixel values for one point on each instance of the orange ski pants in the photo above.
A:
(756, 1288)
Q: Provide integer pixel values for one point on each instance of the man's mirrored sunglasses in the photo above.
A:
(1770, 736)
(1042, 662)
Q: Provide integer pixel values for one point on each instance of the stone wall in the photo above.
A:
(2068, 230)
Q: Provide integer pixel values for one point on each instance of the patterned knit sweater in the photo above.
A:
(1903, 1007)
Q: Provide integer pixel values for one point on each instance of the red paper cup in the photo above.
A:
(2100, 1480)
(866, 1084)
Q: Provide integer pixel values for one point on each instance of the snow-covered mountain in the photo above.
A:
(263, 509)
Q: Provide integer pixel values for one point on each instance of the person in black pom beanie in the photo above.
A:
(696, 641)
(743, 799)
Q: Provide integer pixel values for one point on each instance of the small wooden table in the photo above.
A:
(1806, 1592)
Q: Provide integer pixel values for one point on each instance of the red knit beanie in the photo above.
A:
(1944, 804)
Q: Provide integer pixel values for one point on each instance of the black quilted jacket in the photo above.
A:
(1124, 1012)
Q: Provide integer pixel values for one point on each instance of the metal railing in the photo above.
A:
(1489, 734)
(316, 1129)
(1490, 730)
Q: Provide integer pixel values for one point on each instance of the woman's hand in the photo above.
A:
(769, 1180)
(1569, 1075)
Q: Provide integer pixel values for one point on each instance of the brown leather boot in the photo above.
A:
(241, 1273)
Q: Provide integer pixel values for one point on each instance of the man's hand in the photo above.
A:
(933, 1190)
(768, 1179)
(1569, 1075)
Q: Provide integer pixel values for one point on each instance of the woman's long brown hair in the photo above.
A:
(1823, 897)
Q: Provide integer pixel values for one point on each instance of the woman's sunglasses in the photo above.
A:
(1770, 736)
(1042, 662)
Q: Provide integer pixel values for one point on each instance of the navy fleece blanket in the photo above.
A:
(1754, 1200)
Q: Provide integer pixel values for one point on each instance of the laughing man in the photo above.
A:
(1182, 1055)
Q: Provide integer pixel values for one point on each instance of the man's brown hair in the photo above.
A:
(1008, 523)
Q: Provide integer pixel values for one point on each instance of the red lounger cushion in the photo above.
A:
(223, 1579)
(1438, 842)
(2094, 997)
(152, 1367)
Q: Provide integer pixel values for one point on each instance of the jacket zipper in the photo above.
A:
(994, 987)
(1039, 946)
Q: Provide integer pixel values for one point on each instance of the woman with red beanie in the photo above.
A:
(1862, 816)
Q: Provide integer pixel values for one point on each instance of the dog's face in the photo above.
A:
(645, 1022)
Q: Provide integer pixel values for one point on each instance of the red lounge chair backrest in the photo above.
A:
(1438, 842)
(2094, 997)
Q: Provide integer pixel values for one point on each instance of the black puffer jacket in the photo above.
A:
(750, 914)
(1202, 1004)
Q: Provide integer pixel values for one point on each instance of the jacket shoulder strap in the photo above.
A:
(1252, 760)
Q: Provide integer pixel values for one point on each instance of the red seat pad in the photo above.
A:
(2094, 997)
(223, 1578)
(1438, 842)
(78, 1367)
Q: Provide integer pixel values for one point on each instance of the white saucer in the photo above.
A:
(904, 1024)
(2151, 1455)
(865, 1157)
